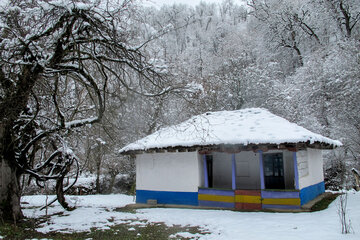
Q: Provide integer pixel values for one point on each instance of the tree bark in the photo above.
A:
(98, 172)
(98, 168)
(10, 192)
(10, 109)
(60, 194)
(346, 17)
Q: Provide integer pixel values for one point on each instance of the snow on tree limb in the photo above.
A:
(57, 60)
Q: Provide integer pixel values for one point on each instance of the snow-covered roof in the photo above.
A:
(244, 127)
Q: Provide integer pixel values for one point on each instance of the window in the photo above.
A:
(274, 171)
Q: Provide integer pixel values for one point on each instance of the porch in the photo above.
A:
(250, 180)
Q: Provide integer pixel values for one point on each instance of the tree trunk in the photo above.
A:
(346, 17)
(98, 161)
(10, 194)
(60, 194)
(10, 191)
(98, 172)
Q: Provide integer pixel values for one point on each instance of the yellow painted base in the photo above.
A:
(247, 199)
(216, 198)
(281, 201)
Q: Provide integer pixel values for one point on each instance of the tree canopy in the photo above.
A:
(57, 61)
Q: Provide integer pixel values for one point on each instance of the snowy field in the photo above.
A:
(98, 211)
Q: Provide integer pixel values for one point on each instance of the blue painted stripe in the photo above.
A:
(279, 194)
(265, 206)
(296, 172)
(233, 172)
(261, 163)
(166, 197)
(206, 177)
(309, 193)
(216, 204)
(216, 192)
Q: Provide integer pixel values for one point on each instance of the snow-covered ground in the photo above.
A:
(97, 211)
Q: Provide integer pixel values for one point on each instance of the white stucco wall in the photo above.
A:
(310, 167)
(169, 171)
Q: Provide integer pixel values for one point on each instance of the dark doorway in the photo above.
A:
(274, 171)
(209, 166)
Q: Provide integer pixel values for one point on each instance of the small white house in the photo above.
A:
(243, 159)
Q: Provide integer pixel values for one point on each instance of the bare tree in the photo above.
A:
(346, 13)
(287, 25)
(342, 212)
(57, 61)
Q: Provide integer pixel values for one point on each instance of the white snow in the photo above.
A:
(97, 211)
(109, 201)
(246, 126)
(84, 181)
(101, 141)
(186, 235)
(82, 121)
(193, 3)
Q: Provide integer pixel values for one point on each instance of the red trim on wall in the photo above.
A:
(248, 192)
(248, 206)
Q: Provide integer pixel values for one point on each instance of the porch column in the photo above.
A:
(262, 182)
(296, 171)
(233, 173)
(206, 178)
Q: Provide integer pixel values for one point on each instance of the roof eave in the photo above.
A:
(234, 148)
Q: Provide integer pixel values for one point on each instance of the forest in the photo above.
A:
(80, 79)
